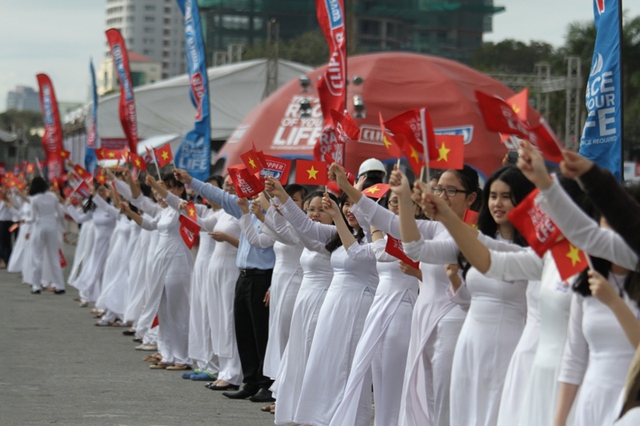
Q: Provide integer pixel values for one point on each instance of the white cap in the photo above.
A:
(372, 165)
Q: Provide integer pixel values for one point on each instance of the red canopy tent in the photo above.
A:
(391, 83)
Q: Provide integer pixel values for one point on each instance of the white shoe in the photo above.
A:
(84, 304)
(147, 347)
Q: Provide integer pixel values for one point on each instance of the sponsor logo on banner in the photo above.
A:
(296, 132)
(600, 6)
(370, 134)
(117, 56)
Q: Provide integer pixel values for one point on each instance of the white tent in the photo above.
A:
(165, 108)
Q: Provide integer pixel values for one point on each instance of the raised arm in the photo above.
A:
(408, 228)
(219, 196)
(333, 210)
(254, 238)
(78, 217)
(108, 208)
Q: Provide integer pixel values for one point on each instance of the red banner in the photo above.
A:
(331, 18)
(52, 139)
(189, 231)
(127, 102)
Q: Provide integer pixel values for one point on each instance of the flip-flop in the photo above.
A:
(179, 367)
(160, 366)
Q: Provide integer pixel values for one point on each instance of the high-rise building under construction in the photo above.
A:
(448, 28)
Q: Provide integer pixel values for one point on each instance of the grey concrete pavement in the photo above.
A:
(56, 367)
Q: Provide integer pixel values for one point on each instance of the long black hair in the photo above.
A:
(38, 186)
(335, 242)
(631, 284)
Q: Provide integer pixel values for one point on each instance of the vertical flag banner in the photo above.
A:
(127, 102)
(90, 161)
(194, 152)
(52, 139)
(330, 15)
(602, 135)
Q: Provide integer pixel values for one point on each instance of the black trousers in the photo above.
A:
(252, 325)
(5, 240)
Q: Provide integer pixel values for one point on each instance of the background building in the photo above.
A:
(143, 71)
(152, 28)
(439, 27)
(23, 98)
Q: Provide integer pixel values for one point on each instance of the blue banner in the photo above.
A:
(194, 152)
(601, 139)
(90, 160)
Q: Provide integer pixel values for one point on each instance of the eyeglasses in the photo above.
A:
(393, 202)
(450, 191)
(314, 211)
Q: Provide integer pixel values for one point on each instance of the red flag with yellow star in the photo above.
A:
(252, 161)
(137, 161)
(163, 155)
(108, 154)
(393, 144)
(65, 154)
(416, 128)
(30, 168)
(471, 218)
(569, 259)
(450, 152)
(191, 211)
(101, 178)
(81, 172)
(311, 172)
(376, 191)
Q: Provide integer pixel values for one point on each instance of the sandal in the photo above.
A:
(266, 408)
(153, 358)
(160, 366)
(177, 366)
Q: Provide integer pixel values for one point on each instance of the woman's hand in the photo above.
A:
(452, 273)
(601, 289)
(531, 164)
(243, 203)
(124, 208)
(182, 176)
(410, 270)
(275, 188)
(330, 207)
(151, 181)
(182, 205)
(399, 184)
(574, 165)
(436, 207)
(267, 298)
(220, 237)
(256, 208)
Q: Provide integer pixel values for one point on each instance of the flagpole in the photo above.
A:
(424, 147)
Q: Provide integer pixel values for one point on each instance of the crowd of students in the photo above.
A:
(294, 299)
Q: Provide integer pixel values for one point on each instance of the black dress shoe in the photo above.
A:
(263, 395)
(239, 394)
(223, 388)
(62, 291)
(137, 340)
(129, 333)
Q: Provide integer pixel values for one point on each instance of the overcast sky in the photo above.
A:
(59, 37)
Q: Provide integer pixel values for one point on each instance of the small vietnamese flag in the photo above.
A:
(163, 155)
(30, 168)
(191, 211)
(376, 191)
(82, 173)
(311, 172)
(569, 259)
(108, 154)
(100, 176)
(252, 161)
(471, 218)
(450, 152)
(65, 154)
(137, 161)
(392, 144)
(394, 248)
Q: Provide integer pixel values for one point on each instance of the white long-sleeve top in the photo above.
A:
(582, 231)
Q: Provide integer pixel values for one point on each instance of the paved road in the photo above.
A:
(56, 367)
